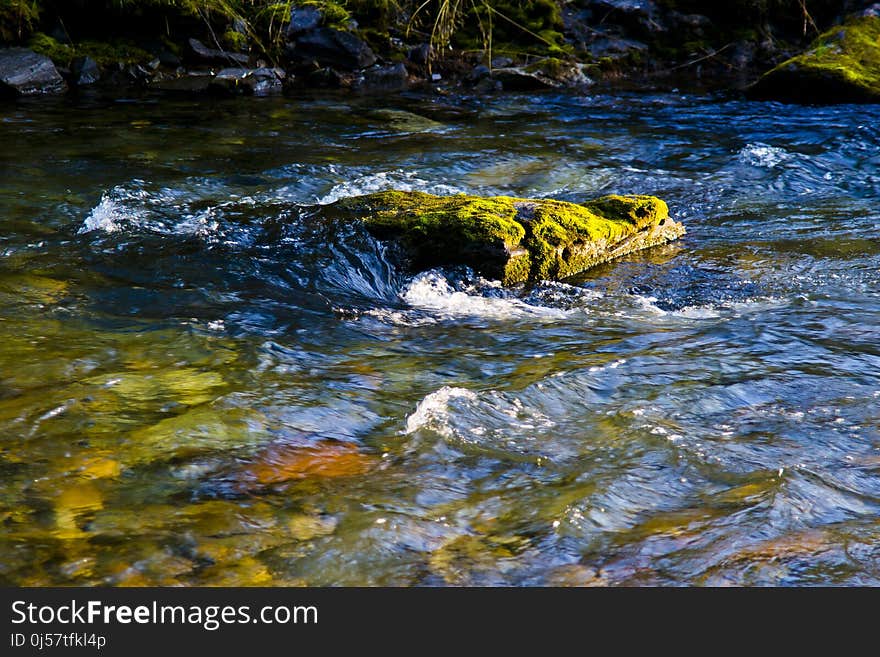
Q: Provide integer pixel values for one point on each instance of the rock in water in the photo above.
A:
(518, 79)
(513, 239)
(84, 71)
(251, 82)
(842, 66)
(385, 79)
(23, 73)
(328, 458)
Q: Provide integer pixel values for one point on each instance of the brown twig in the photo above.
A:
(700, 59)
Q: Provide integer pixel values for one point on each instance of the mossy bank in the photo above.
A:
(841, 66)
(513, 239)
(389, 46)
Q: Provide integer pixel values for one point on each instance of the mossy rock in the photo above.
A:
(510, 239)
(841, 66)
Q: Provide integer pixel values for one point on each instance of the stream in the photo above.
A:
(201, 384)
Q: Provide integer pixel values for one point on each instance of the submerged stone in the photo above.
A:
(279, 463)
(513, 239)
(841, 66)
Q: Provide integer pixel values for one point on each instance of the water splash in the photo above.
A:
(763, 155)
(406, 181)
(433, 291)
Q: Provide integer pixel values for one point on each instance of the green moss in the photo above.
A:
(842, 65)
(447, 230)
(334, 14)
(109, 53)
(235, 40)
(102, 53)
(640, 211)
(514, 239)
(550, 66)
(45, 45)
(566, 239)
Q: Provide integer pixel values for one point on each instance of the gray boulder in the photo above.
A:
(25, 73)
(335, 48)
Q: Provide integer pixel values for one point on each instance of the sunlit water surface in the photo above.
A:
(201, 383)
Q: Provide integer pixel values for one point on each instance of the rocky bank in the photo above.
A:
(373, 47)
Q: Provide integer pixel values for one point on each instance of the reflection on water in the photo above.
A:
(202, 381)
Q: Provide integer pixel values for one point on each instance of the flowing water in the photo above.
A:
(202, 382)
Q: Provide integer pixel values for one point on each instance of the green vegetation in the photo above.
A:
(842, 65)
(522, 29)
(492, 25)
(532, 26)
(101, 52)
(515, 239)
(17, 18)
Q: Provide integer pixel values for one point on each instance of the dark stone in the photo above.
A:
(187, 84)
(169, 59)
(267, 81)
(569, 74)
(325, 77)
(639, 17)
(217, 57)
(479, 72)
(249, 82)
(487, 85)
(615, 47)
(138, 74)
(23, 73)
(517, 79)
(303, 19)
(385, 79)
(84, 71)
(501, 62)
(695, 24)
(420, 55)
(329, 47)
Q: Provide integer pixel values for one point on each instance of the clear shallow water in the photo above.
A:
(201, 382)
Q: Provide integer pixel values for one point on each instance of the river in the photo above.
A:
(202, 384)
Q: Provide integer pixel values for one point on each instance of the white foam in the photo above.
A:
(106, 217)
(433, 411)
(431, 291)
(763, 155)
(200, 225)
(721, 310)
(378, 182)
(399, 318)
